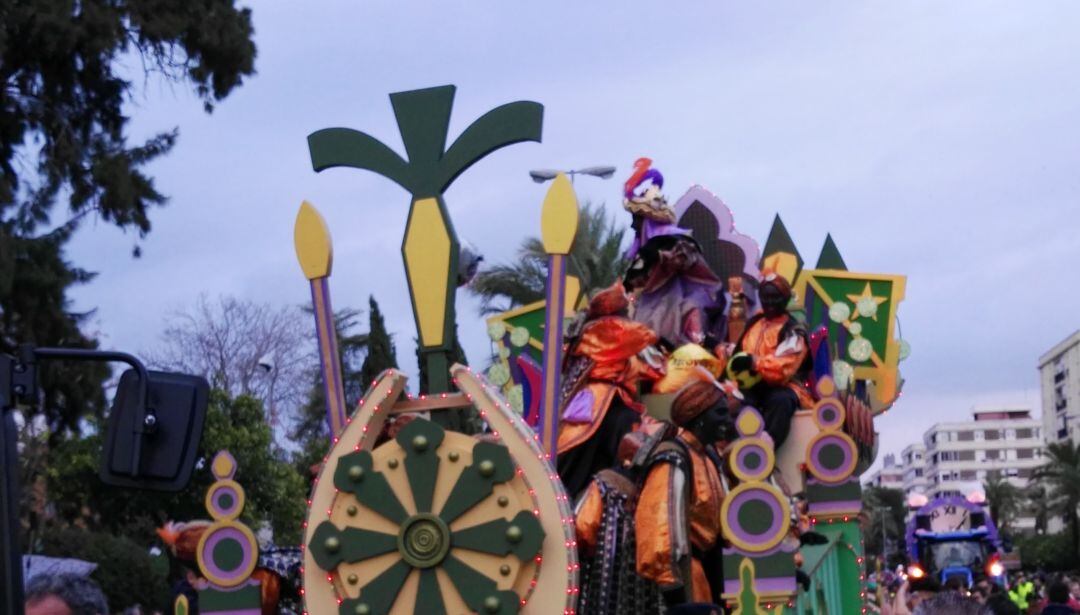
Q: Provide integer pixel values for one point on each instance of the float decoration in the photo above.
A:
(430, 246)
(756, 519)
(436, 521)
(558, 226)
(315, 253)
(227, 552)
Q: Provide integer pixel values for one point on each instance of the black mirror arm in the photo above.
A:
(145, 421)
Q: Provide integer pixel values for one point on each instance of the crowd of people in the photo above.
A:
(1023, 594)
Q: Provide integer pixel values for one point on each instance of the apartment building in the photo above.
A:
(959, 456)
(1059, 378)
(913, 464)
(890, 475)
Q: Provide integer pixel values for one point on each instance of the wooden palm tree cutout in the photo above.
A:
(430, 247)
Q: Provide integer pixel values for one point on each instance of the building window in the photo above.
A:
(1023, 433)
(1025, 453)
(992, 434)
(918, 472)
(967, 475)
(992, 454)
(967, 455)
(965, 436)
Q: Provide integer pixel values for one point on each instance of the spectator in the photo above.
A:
(64, 594)
(1000, 604)
(1058, 595)
(948, 603)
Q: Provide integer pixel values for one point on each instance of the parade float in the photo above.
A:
(728, 383)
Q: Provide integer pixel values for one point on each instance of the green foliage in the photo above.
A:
(595, 258)
(381, 353)
(888, 506)
(1003, 498)
(1048, 551)
(1061, 476)
(275, 492)
(126, 571)
(63, 137)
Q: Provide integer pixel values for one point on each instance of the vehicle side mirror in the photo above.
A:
(155, 446)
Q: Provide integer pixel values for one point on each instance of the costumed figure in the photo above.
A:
(677, 294)
(604, 526)
(772, 359)
(678, 512)
(278, 570)
(600, 387)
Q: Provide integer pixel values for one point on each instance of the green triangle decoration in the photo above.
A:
(780, 241)
(830, 256)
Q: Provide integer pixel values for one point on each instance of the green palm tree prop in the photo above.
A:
(1061, 475)
(430, 247)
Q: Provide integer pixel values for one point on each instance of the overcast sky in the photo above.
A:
(934, 139)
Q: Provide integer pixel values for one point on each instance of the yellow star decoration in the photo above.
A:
(866, 294)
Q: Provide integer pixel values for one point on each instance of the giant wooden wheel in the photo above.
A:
(438, 522)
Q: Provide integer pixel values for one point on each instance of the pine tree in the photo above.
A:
(63, 136)
(381, 353)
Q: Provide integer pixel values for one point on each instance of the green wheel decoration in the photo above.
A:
(428, 523)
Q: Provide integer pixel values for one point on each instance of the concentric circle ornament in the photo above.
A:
(431, 522)
(753, 459)
(831, 457)
(228, 553)
(225, 500)
(829, 414)
(757, 517)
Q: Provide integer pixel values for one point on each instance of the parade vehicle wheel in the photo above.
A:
(430, 522)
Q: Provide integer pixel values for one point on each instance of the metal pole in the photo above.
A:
(11, 590)
(884, 544)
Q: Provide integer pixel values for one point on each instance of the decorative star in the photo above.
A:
(866, 294)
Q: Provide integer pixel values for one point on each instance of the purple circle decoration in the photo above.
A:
(743, 496)
(745, 467)
(823, 448)
(829, 414)
(225, 502)
(215, 573)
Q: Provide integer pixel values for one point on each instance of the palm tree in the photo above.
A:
(888, 506)
(1039, 505)
(430, 247)
(1061, 475)
(1003, 499)
(596, 260)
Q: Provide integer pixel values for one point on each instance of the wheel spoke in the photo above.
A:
(331, 546)
(429, 600)
(420, 439)
(522, 536)
(379, 594)
(491, 466)
(354, 474)
(480, 593)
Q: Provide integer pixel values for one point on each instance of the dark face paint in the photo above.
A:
(712, 425)
(773, 302)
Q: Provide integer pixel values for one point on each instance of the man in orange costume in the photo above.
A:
(600, 381)
(678, 513)
(774, 348)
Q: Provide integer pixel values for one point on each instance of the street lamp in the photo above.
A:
(542, 175)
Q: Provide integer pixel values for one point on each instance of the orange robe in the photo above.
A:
(777, 360)
(611, 343)
(674, 519)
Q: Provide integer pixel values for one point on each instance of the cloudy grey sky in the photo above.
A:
(935, 139)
